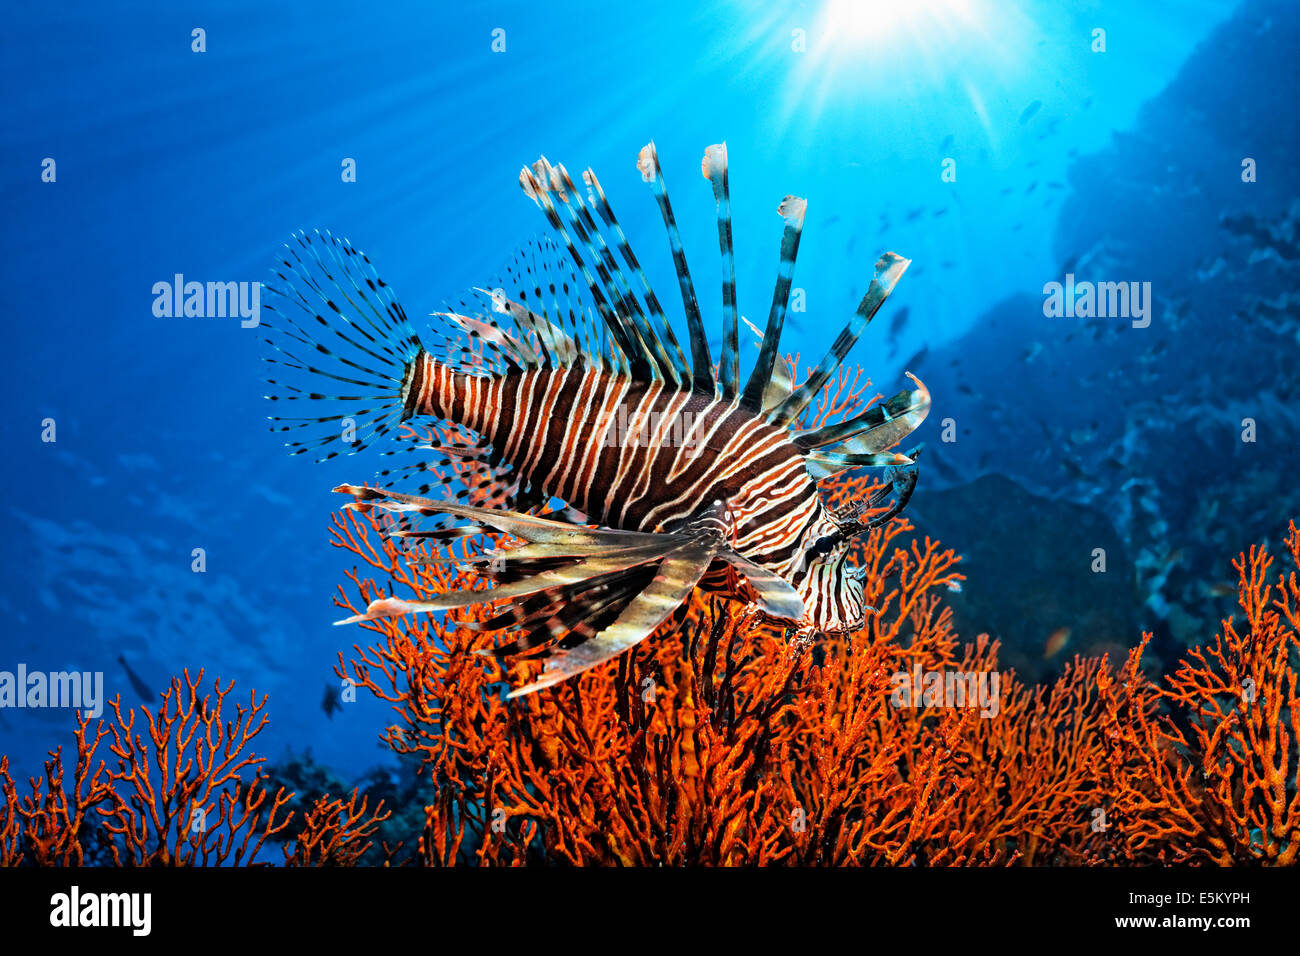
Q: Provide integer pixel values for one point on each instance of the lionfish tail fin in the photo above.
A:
(340, 342)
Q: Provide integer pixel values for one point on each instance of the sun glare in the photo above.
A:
(844, 21)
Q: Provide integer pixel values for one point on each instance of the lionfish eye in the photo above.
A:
(824, 545)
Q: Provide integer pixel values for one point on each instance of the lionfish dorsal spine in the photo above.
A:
(662, 325)
(792, 210)
(889, 269)
(701, 363)
(539, 187)
(714, 168)
(607, 268)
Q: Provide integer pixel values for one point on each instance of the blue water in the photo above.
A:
(201, 163)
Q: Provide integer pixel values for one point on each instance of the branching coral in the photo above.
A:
(719, 741)
(1204, 769)
(716, 742)
(185, 791)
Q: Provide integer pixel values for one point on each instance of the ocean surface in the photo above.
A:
(1001, 146)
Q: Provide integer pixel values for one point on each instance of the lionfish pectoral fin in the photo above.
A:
(775, 595)
(673, 582)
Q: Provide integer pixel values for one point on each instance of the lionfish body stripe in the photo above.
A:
(672, 476)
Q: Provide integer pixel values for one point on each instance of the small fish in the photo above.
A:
(1173, 557)
(1219, 589)
(1031, 353)
(1056, 642)
(915, 361)
(955, 586)
(898, 323)
(1029, 111)
(330, 702)
(137, 683)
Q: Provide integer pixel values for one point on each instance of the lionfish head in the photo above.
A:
(829, 583)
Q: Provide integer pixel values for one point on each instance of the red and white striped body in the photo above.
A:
(642, 456)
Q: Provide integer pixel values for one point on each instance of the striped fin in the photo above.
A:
(664, 329)
(585, 225)
(573, 573)
(828, 464)
(889, 269)
(672, 584)
(775, 595)
(701, 363)
(714, 168)
(539, 188)
(880, 426)
(528, 527)
(548, 287)
(561, 615)
(780, 385)
(792, 209)
(336, 319)
(584, 594)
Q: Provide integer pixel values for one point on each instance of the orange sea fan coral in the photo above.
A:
(186, 790)
(718, 742)
(1205, 768)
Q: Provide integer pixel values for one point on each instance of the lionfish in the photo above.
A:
(568, 385)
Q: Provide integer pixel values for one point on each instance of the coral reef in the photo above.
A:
(1204, 769)
(717, 741)
(185, 791)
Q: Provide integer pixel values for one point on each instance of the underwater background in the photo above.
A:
(994, 144)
